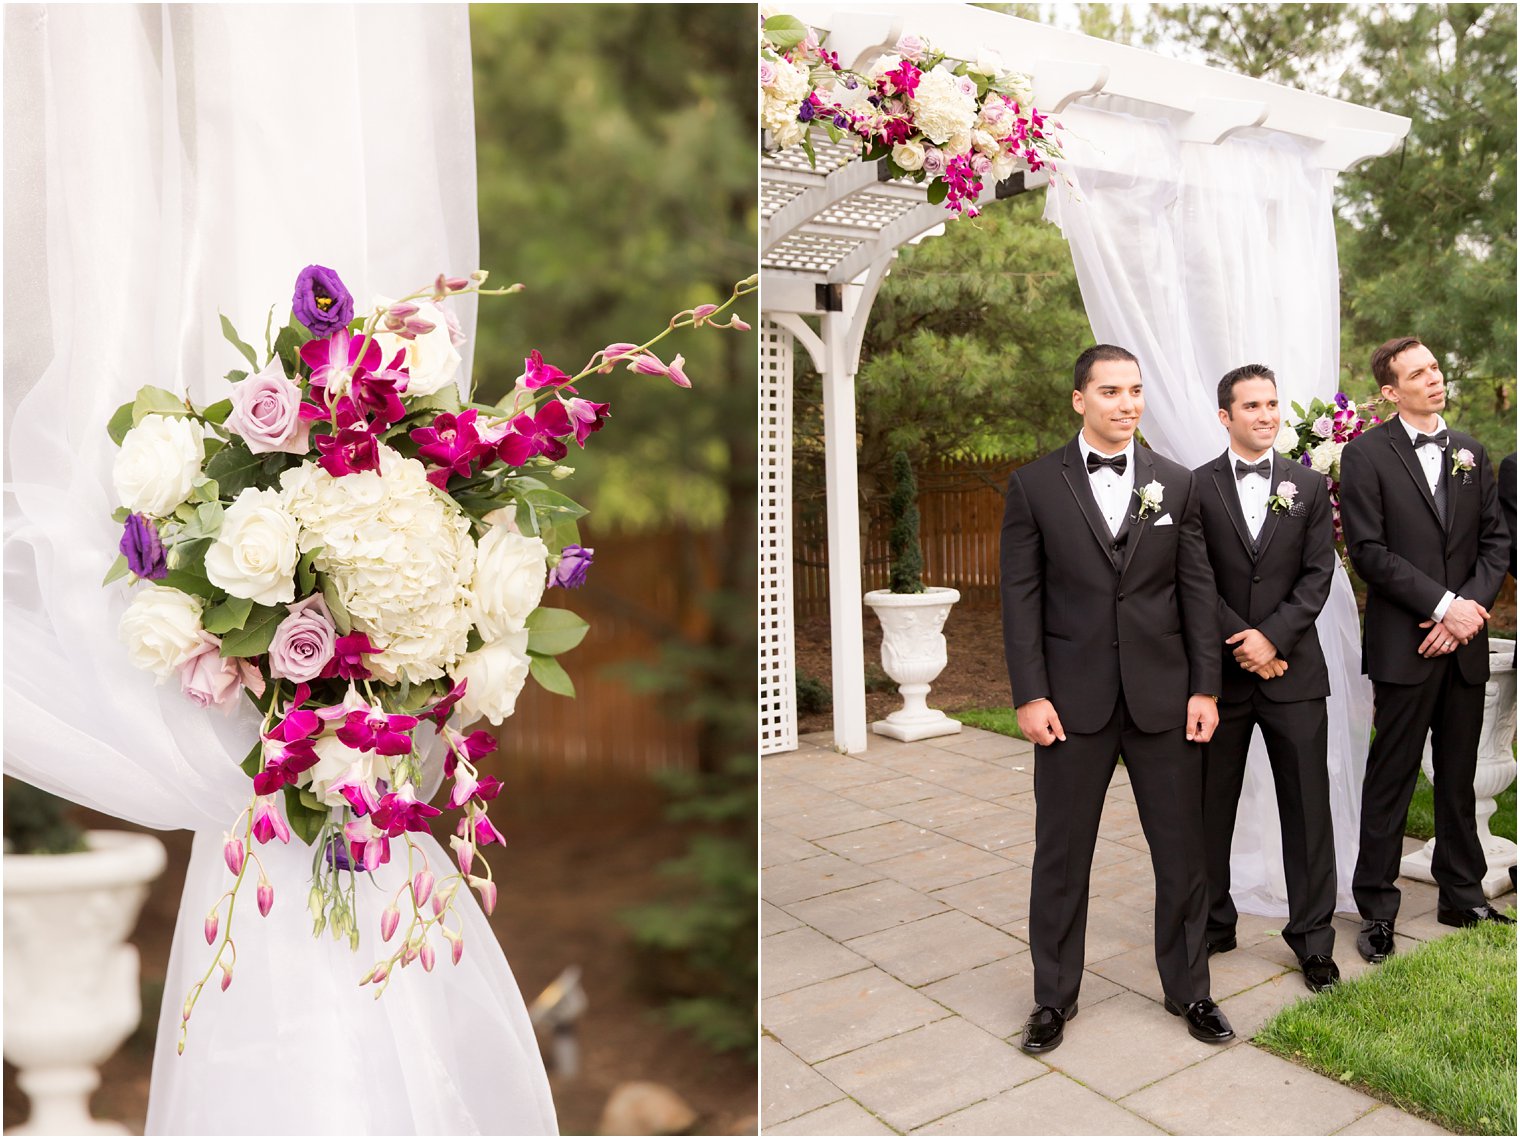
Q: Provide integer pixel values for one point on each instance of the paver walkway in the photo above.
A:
(896, 975)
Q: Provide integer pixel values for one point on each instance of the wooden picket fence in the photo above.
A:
(960, 507)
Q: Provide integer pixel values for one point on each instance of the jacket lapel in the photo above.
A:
(1224, 482)
(1075, 471)
(1399, 440)
(1269, 523)
(1145, 471)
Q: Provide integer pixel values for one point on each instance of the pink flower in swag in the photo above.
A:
(209, 678)
(304, 642)
(266, 412)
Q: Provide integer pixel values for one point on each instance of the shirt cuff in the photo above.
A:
(1443, 605)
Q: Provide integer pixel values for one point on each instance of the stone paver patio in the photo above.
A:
(896, 973)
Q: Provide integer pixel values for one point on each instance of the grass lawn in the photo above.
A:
(1422, 819)
(1431, 1031)
(1000, 720)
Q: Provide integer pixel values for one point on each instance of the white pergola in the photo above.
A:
(829, 235)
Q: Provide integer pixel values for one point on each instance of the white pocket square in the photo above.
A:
(1164, 520)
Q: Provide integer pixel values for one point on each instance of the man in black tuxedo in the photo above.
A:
(1267, 525)
(1422, 523)
(1111, 629)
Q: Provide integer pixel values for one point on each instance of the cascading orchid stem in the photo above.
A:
(231, 896)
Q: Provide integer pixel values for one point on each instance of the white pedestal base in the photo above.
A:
(923, 727)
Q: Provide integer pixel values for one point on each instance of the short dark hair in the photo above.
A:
(1090, 356)
(1235, 375)
(1382, 358)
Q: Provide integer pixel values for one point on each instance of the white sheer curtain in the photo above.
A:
(164, 163)
(1199, 259)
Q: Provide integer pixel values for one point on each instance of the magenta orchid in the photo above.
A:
(268, 822)
(371, 730)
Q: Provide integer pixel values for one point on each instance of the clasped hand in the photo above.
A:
(1254, 653)
(1461, 624)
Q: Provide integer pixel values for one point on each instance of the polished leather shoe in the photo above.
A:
(1046, 1026)
(1471, 916)
(1320, 972)
(1221, 944)
(1205, 1021)
(1375, 942)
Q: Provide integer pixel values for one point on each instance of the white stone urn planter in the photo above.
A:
(913, 654)
(1496, 771)
(71, 981)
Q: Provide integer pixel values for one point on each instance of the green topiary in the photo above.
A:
(907, 555)
(36, 823)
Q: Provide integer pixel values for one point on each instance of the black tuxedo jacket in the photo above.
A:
(1409, 556)
(1277, 585)
(1087, 615)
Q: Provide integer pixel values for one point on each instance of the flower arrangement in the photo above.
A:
(1281, 501)
(362, 552)
(941, 122)
(1319, 436)
(1150, 496)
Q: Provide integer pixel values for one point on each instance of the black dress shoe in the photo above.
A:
(1473, 916)
(1375, 942)
(1205, 1021)
(1045, 1028)
(1222, 944)
(1320, 972)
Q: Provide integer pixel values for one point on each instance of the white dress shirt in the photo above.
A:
(1431, 457)
(1112, 490)
(1253, 491)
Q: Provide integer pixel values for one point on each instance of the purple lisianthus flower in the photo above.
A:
(143, 549)
(570, 571)
(321, 302)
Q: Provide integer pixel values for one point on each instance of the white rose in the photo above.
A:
(495, 674)
(909, 155)
(1326, 458)
(1287, 439)
(255, 554)
(984, 143)
(431, 360)
(161, 629)
(1003, 165)
(510, 571)
(334, 760)
(159, 460)
(884, 64)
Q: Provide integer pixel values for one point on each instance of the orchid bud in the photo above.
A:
(265, 896)
(700, 314)
(389, 920)
(648, 364)
(487, 890)
(480, 275)
(464, 852)
(393, 323)
(408, 955)
(232, 851)
(440, 287)
(226, 978)
(319, 925)
(611, 353)
(188, 1006)
(738, 325)
(456, 948)
(212, 921)
(457, 283)
(314, 902)
(382, 971)
(353, 939)
(562, 472)
(418, 326)
(426, 956)
(438, 904)
(422, 886)
(401, 310)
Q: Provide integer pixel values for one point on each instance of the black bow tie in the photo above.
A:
(1263, 468)
(1439, 439)
(1096, 461)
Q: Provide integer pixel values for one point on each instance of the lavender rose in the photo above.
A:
(304, 642)
(266, 412)
(570, 571)
(321, 302)
(143, 549)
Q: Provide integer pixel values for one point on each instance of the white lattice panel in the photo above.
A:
(778, 669)
(806, 252)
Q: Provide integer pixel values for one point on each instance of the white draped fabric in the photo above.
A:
(164, 163)
(1198, 259)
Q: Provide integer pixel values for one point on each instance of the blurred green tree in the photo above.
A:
(617, 179)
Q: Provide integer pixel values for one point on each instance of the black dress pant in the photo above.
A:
(1296, 734)
(1451, 710)
(1070, 780)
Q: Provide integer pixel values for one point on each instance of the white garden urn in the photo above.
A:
(1496, 771)
(913, 654)
(71, 980)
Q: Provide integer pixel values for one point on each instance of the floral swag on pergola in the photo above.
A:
(937, 121)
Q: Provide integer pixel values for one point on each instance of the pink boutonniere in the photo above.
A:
(1282, 501)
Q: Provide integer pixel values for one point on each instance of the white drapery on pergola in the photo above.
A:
(1198, 207)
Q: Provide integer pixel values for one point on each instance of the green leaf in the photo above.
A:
(121, 422)
(232, 337)
(156, 401)
(118, 570)
(256, 633)
(550, 675)
(445, 398)
(939, 189)
(204, 490)
(475, 642)
(807, 149)
(120, 515)
(784, 32)
(554, 631)
(218, 411)
(187, 581)
(235, 468)
(268, 324)
(253, 762)
(335, 605)
(305, 822)
(235, 375)
(227, 617)
(306, 576)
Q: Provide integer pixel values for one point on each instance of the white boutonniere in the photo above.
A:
(1462, 463)
(1150, 499)
(1282, 501)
